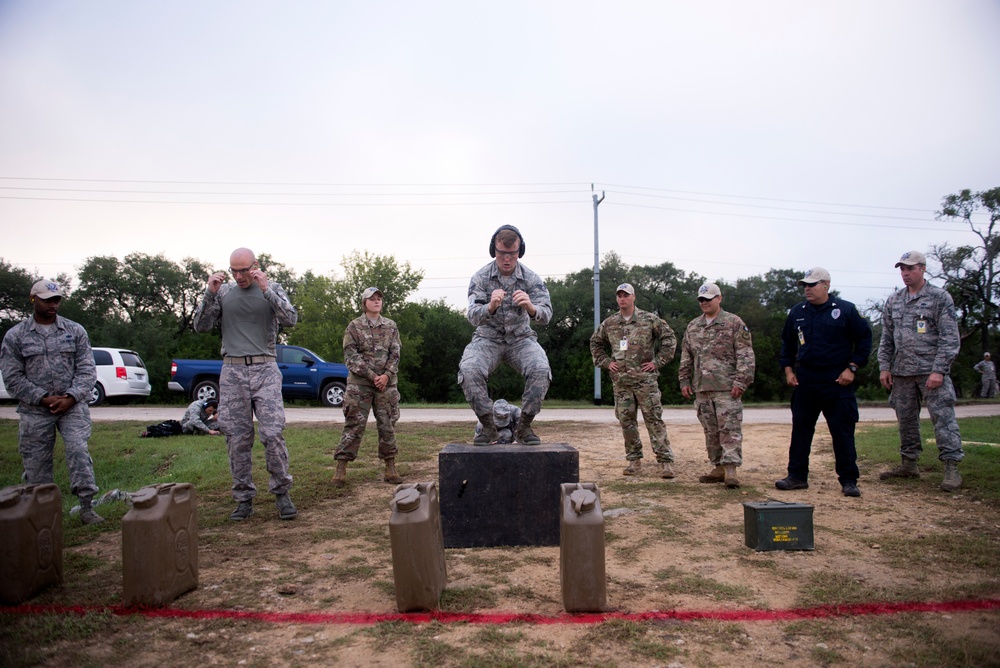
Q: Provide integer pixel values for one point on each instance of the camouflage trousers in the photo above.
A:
(358, 401)
(629, 400)
(907, 391)
(721, 417)
(37, 439)
(245, 391)
(989, 388)
(482, 357)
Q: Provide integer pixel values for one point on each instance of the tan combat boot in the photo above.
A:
(667, 470)
(731, 479)
(718, 474)
(634, 467)
(390, 472)
(340, 477)
(906, 469)
(952, 480)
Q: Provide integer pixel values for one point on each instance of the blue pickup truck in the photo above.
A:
(304, 375)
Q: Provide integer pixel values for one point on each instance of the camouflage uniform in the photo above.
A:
(920, 337)
(989, 372)
(505, 336)
(250, 383)
(505, 418)
(195, 420)
(36, 363)
(649, 339)
(370, 350)
(715, 358)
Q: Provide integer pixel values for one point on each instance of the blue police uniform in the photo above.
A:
(819, 342)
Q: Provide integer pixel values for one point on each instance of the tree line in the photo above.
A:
(146, 303)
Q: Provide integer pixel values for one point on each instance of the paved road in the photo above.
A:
(768, 415)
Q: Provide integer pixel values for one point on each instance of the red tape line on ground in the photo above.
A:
(368, 618)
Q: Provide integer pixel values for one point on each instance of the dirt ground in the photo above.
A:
(671, 545)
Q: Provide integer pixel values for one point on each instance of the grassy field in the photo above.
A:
(124, 461)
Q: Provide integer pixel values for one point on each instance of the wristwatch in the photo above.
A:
(853, 367)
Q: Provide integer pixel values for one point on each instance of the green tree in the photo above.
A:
(444, 334)
(322, 318)
(662, 289)
(763, 302)
(364, 270)
(972, 271)
(15, 284)
(145, 303)
(327, 304)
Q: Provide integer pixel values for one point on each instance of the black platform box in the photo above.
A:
(777, 525)
(503, 495)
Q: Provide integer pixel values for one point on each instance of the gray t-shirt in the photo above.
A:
(245, 317)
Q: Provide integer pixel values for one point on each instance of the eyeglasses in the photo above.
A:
(508, 254)
(247, 270)
(706, 299)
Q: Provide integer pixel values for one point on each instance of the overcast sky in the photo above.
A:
(728, 137)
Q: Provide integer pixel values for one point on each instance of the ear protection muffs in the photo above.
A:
(493, 240)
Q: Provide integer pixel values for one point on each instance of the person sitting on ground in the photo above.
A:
(198, 419)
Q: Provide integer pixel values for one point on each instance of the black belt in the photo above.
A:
(248, 359)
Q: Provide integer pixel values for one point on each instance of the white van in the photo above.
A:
(120, 373)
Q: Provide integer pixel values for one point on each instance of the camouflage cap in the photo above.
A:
(369, 292)
(501, 412)
(814, 276)
(625, 287)
(709, 291)
(910, 258)
(46, 289)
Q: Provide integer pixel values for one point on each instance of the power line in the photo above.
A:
(292, 194)
(764, 206)
(305, 184)
(767, 199)
(798, 221)
(343, 204)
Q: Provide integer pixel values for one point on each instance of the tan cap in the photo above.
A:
(910, 258)
(709, 291)
(625, 287)
(369, 292)
(46, 289)
(814, 276)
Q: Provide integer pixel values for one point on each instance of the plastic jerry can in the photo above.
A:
(418, 567)
(160, 544)
(581, 548)
(30, 540)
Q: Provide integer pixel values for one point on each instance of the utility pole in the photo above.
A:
(597, 293)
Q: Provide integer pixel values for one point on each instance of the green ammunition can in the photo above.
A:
(777, 525)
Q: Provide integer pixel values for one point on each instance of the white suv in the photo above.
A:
(120, 373)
